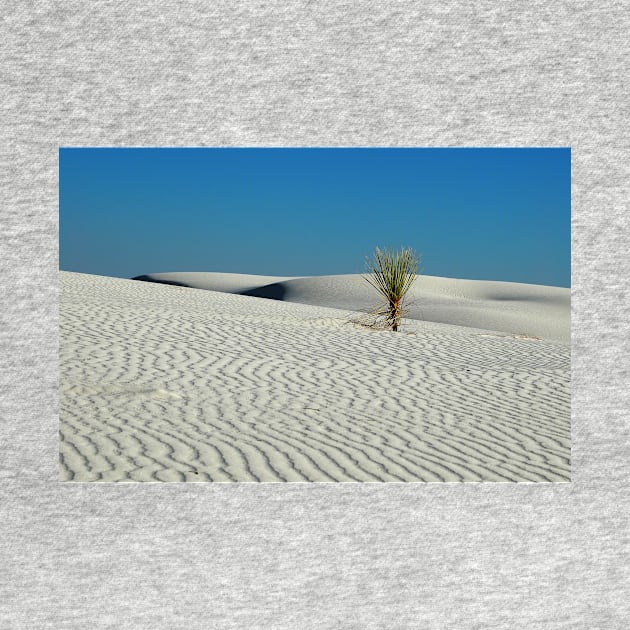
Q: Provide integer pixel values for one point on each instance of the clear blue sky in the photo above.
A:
(493, 214)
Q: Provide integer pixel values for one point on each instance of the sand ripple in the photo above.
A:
(163, 383)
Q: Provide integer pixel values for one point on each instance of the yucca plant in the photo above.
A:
(391, 273)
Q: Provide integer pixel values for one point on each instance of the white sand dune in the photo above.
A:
(510, 307)
(169, 383)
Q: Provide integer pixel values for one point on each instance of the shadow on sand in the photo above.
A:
(171, 282)
(274, 291)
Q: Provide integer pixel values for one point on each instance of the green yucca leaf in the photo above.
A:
(391, 273)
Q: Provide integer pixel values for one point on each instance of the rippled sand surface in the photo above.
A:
(169, 383)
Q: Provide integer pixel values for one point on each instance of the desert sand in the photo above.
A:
(167, 382)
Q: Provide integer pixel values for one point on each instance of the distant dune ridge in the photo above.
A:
(161, 382)
(502, 306)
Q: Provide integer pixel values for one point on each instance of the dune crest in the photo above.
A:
(510, 307)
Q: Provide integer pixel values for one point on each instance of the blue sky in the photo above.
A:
(492, 214)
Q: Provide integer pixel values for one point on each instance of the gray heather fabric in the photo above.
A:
(314, 556)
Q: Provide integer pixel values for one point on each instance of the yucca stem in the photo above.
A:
(394, 310)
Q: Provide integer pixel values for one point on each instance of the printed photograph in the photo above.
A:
(315, 315)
